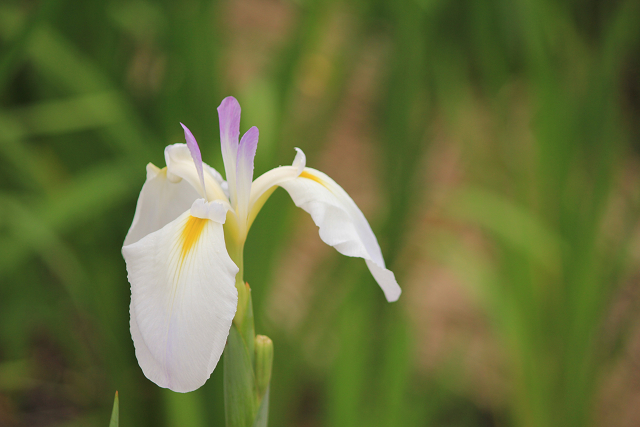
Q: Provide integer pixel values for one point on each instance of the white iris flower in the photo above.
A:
(184, 248)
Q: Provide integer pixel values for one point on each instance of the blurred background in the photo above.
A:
(494, 146)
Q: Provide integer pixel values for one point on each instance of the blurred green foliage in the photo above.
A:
(539, 97)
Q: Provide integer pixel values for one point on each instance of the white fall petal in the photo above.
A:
(341, 223)
(183, 295)
(183, 300)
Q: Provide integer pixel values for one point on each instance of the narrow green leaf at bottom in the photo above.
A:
(239, 383)
(115, 413)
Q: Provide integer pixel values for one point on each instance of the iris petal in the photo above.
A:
(192, 144)
(229, 117)
(180, 165)
(244, 169)
(160, 202)
(342, 224)
(183, 300)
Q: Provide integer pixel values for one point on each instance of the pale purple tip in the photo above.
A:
(195, 155)
(244, 166)
(229, 116)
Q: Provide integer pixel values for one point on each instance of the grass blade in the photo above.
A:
(115, 414)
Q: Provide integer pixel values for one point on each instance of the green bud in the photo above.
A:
(263, 361)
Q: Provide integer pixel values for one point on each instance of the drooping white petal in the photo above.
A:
(342, 224)
(244, 170)
(160, 202)
(180, 165)
(229, 118)
(183, 299)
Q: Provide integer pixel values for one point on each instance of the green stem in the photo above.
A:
(247, 362)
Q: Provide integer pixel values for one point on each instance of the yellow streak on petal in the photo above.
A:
(307, 175)
(191, 233)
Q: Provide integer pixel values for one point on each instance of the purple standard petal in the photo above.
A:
(195, 154)
(244, 168)
(229, 115)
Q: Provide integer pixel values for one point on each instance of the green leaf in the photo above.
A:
(515, 225)
(262, 418)
(239, 383)
(115, 414)
(70, 114)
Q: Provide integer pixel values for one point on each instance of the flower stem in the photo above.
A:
(247, 364)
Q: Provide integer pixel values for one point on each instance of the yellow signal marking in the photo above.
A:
(191, 233)
(307, 175)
